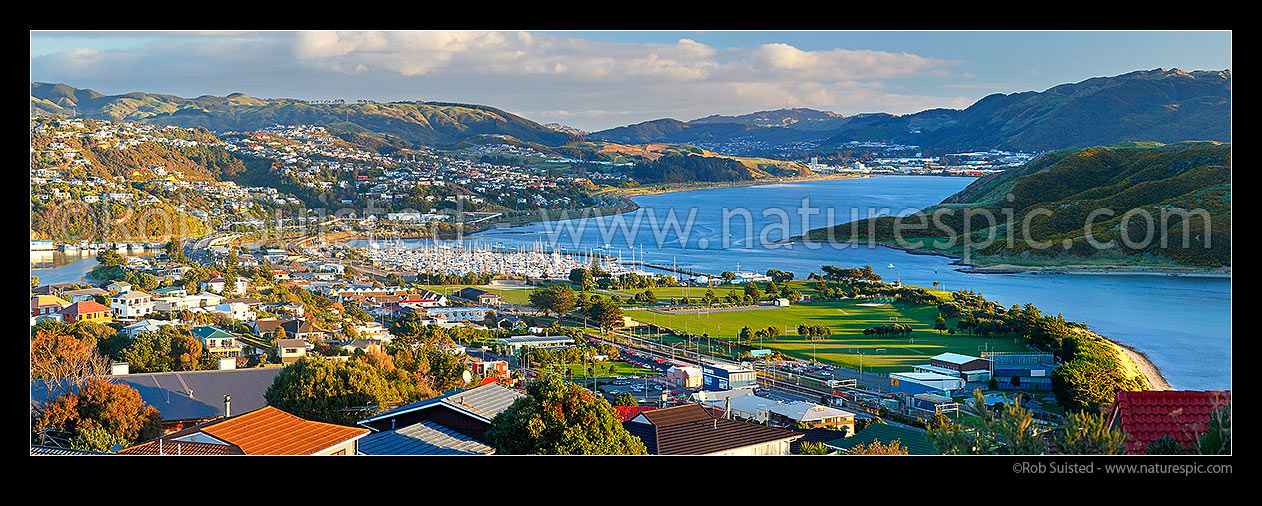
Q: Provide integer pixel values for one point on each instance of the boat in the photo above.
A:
(891, 266)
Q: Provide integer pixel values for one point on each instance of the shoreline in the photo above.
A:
(1070, 269)
(1139, 362)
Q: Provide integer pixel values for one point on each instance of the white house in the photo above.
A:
(236, 310)
(118, 286)
(132, 304)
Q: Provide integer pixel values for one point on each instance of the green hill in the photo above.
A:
(1153, 105)
(1060, 192)
(402, 124)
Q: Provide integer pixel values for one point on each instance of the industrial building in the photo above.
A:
(727, 377)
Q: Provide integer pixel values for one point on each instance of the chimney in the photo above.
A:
(727, 407)
(227, 406)
(119, 369)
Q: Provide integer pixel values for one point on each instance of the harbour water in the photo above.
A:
(1182, 323)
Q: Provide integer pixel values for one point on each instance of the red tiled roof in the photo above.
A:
(626, 413)
(1182, 415)
(85, 307)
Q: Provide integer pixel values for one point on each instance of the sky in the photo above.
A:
(603, 79)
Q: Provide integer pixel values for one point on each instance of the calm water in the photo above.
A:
(57, 267)
(1183, 324)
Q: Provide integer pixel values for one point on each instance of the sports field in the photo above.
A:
(847, 319)
(520, 296)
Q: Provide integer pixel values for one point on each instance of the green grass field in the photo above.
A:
(847, 320)
(610, 369)
(510, 295)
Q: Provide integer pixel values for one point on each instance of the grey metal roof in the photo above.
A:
(484, 401)
(168, 391)
(424, 438)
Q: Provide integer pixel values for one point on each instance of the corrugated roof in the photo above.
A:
(168, 391)
(424, 438)
(1183, 415)
(484, 401)
(270, 431)
(169, 447)
(691, 430)
(955, 358)
(916, 441)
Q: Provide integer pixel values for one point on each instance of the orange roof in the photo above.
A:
(270, 431)
(85, 307)
(180, 448)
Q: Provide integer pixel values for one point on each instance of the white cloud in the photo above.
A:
(586, 83)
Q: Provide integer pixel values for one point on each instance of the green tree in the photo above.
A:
(1090, 434)
(625, 399)
(327, 390)
(557, 418)
(939, 324)
(815, 448)
(1165, 445)
(606, 314)
(97, 439)
(582, 278)
(553, 299)
(1012, 431)
(109, 258)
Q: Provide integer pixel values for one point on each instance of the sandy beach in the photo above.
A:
(1141, 363)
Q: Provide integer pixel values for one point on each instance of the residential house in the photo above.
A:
(184, 398)
(422, 438)
(264, 431)
(488, 368)
(691, 429)
(468, 412)
(84, 294)
(217, 341)
(290, 350)
(47, 305)
(53, 289)
(684, 376)
(136, 328)
(118, 286)
(132, 304)
(88, 310)
(236, 310)
(294, 328)
(480, 296)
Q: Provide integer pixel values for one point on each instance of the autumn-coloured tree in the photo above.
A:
(100, 405)
(63, 356)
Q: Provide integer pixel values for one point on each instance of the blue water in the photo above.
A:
(1182, 323)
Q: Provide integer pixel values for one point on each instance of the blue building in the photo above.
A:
(727, 377)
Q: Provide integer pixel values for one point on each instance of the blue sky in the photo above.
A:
(602, 79)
